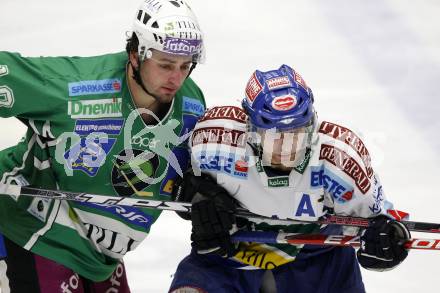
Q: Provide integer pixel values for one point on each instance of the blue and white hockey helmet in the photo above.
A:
(278, 99)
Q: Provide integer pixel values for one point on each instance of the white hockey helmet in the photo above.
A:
(168, 26)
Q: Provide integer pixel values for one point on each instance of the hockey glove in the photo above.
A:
(184, 190)
(382, 244)
(212, 216)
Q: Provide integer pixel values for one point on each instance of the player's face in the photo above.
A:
(163, 74)
(280, 148)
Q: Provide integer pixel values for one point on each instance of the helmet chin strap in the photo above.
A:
(138, 79)
(193, 66)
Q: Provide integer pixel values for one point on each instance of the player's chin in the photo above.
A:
(168, 91)
(165, 98)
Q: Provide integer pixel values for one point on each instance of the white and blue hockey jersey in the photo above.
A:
(332, 175)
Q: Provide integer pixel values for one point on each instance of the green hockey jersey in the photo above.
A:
(86, 135)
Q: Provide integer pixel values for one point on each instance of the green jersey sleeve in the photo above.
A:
(24, 87)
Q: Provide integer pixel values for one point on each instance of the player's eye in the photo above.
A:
(166, 66)
(185, 67)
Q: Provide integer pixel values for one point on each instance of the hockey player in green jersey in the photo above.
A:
(114, 124)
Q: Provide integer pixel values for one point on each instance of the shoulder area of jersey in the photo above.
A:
(227, 117)
(337, 130)
(220, 127)
(337, 142)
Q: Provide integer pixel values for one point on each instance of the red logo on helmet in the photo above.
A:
(284, 103)
(278, 82)
(253, 88)
(116, 85)
(300, 80)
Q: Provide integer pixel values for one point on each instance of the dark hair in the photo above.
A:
(132, 44)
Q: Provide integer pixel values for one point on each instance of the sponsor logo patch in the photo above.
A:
(193, 106)
(39, 208)
(225, 112)
(127, 214)
(262, 256)
(338, 188)
(88, 155)
(219, 135)
(94, 87)
(95, 108)
(278, 82)
(347, 164)
(241, 166)
(108, 126)
(259, 166)
(223, 163)
(350, 138)
(113, 242)
(300, 81)
(278, 181)
(253, 88)
(284, 103)
(182, 46)
(168, 187)
(303, 165)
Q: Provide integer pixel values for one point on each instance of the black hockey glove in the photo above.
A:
(382, 244)
(212, 216)
(184, 190)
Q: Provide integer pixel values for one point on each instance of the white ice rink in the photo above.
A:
(373, 65)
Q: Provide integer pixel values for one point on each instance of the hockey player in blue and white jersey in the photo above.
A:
(276, 159)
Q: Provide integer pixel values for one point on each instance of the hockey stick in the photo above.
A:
(16, 191)
(321, 239)
(355, 222)
(111, 200)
